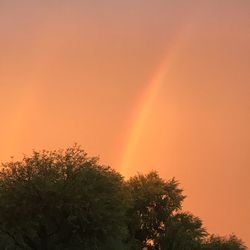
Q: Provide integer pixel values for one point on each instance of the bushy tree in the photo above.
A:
(65, 200)
(157, 222)
(61, 200)
(183, 232)
(223, 243)
(155, 201)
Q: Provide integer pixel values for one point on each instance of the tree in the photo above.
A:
(223, 243)
(157, 222)
(67, 200)
(183, 232)
(155, 201)
(61, 200)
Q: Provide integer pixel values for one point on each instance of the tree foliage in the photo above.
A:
(67, 200)
(183, 232)
(154, 202)
(61, 200)
(223, 243)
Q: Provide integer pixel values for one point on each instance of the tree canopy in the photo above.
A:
(62, 200)
(67, 200)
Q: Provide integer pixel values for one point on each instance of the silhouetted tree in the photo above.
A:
(183, 232)
(157, 222)
(223, 243)
(65, 200)
(61, 200)
(155, 202)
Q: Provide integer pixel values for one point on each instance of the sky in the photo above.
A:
(146, 85)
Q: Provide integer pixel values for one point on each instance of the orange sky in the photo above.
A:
(145, 84)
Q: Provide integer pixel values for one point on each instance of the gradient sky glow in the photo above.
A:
(145, 84)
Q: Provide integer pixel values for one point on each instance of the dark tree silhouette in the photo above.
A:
(154, 203)
(223, 243)
(61, 200)
(65, 200)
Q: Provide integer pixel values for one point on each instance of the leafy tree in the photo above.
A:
(157, 222)
(183, 232)
(223, 243)
(67, 200)
(155, 201)
(61, 200)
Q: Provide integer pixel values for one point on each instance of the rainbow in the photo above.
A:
(146, 102)
(31, 85)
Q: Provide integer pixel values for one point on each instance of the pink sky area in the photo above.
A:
(161, 85)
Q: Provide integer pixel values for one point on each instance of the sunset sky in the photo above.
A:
(144, 84)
